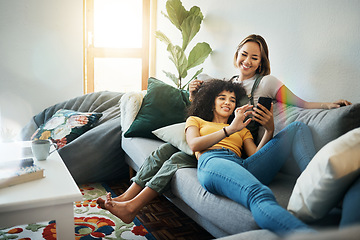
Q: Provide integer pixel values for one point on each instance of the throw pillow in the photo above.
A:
(175, 135)
(162, 105)
(130, 105)
(66, 125)
(325, 180)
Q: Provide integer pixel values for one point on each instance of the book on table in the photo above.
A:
(19, 171)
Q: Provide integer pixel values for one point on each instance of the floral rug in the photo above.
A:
(91, 222)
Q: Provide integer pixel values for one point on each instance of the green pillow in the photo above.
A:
(162, 105)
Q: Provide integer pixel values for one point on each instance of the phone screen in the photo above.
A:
(265, 101)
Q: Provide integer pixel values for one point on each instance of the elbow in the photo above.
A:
(193, 146)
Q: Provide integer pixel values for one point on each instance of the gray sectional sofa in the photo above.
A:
(103, 153)
(221, 216)
(96, 155)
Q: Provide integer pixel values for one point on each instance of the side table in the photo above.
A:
(49, 198)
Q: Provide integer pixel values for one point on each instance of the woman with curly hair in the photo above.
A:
(216, 131)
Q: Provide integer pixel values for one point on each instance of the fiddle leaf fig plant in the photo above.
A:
(188, 22)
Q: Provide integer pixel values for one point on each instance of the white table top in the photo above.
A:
(57, 187)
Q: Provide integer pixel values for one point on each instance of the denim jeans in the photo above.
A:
(351, 205)
(222, 172)
(158, 169)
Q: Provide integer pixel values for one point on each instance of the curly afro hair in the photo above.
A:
(204, 99)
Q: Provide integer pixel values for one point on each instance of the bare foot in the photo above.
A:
(121, 198)
(101, 202)
(120, 209)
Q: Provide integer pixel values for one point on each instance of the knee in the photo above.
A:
(258, 192)
(182, 159)
(299, 125)
(167, 148)
(165, 151)
(205, 180)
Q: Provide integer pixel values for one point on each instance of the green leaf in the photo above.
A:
(176, 12)
(195, 75)
(195, 10)
(198, 54)
(162, 37)
(190, 27)
(178, 57)
(172, 77)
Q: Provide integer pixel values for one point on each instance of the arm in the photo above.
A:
(199, 143)
(284, 95)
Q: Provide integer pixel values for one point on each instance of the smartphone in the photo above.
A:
(266, 102)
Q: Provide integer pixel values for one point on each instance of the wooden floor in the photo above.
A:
(163, 219)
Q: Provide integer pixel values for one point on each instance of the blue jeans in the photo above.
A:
(351, 205)
(222, 172)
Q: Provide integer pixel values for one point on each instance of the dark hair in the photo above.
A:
(204, 100)
(264, 68)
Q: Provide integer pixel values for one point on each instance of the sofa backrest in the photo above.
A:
(325, 125)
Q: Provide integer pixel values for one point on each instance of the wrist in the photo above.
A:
(324, 106)
(226, 132)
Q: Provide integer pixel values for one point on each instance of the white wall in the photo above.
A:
(41, 57)
(314, 48)
(314, 44)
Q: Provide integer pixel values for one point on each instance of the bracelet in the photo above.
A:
(226, 134)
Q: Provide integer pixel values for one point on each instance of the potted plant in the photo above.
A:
(188, 22)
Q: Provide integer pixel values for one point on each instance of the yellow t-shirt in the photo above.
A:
(234, 142)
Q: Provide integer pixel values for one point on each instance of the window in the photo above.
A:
(116, 44)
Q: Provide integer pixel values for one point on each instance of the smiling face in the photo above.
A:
(224, 106)
(248, 60)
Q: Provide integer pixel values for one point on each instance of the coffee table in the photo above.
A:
(49, 198)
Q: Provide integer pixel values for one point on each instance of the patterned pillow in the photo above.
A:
(66, 125)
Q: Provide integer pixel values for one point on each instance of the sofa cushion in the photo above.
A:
(162, 105)
(327, 177)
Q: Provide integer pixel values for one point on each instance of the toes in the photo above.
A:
(108, 197)
(101, 203)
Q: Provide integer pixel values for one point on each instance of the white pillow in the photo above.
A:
(130, 104)
(175, 135)
(324, 181)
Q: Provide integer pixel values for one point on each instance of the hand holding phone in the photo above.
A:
(266, 102)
